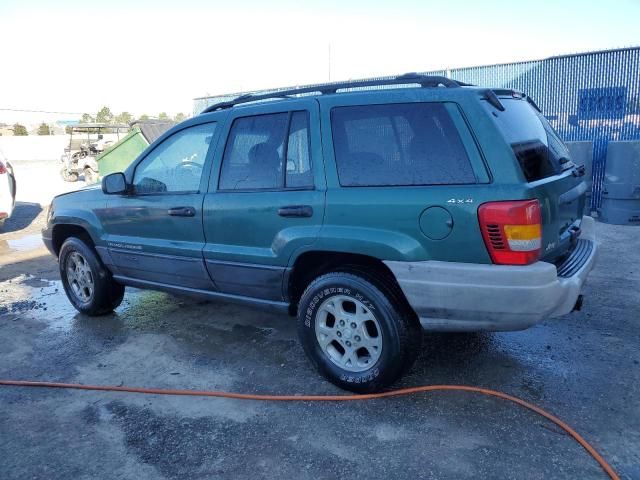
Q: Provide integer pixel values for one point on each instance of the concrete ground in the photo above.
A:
(584, 367)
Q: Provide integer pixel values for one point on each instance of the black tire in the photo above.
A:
(401, 333)
(106, 293)
(68, 176)
(14, 186)
(90, 176)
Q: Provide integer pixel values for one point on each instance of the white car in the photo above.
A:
(7, 189)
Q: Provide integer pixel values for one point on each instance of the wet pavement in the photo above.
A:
(584, 367)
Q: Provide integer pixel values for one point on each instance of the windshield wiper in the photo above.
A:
(578, 171)
(532, 103)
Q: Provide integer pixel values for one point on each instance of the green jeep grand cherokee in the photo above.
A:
(368, 214)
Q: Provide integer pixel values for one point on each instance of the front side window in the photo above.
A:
(176, 164)
(398, 144)
(254, 156)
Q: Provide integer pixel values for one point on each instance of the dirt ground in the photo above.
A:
(584, 367)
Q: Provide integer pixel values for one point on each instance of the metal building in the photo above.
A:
(592, 96)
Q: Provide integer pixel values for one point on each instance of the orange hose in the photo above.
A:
(332, 398)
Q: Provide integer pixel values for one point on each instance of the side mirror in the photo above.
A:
(114, 183)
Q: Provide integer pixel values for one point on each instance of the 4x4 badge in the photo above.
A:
(460, 200)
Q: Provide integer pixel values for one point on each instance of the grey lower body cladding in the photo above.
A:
(449, 296)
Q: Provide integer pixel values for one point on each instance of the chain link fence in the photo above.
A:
(592, 96)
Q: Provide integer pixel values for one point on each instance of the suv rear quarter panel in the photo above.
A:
(384, 221)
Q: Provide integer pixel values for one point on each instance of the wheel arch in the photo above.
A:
(314, 263)
(61, 231)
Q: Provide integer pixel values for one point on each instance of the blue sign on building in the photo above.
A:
(602, 103)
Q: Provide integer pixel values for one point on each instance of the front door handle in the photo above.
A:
(296, 211)
(182, 212)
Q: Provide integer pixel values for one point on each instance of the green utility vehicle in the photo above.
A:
(86, 142)
(369, 215)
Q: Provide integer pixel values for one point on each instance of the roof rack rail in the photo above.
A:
(407, 78)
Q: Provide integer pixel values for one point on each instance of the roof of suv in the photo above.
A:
(331, 89)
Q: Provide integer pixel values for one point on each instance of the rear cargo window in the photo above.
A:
(539, 150)
(398, 144)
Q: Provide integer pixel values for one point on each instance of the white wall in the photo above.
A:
(33, 147)
(40, 181)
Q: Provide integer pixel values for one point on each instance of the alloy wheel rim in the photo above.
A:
(80, 277)
(348, 333)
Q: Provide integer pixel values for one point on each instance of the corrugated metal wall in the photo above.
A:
(591, 96)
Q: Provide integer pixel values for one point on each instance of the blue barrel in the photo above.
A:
(582, 154)
(621, 186)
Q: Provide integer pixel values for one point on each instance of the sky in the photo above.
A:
(153, 56)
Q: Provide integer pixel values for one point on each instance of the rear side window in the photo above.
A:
(398, 144)
(254, 156)
(539, 150)
(299, 173)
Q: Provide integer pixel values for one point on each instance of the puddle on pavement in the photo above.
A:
(22, 244)
(44, 299)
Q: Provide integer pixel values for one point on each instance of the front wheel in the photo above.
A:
(87, 283)
(356, 333)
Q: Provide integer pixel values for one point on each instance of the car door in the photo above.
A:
(155, 233)
(266, 197)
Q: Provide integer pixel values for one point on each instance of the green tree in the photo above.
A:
(86, 118)
(163, 116)
(44, 129)
(67, 129)
(20, 130)
(180, 117)
(124, 117)
(143, 117)
(104, 115)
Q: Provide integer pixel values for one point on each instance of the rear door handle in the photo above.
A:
(296, 211)
(182, 212)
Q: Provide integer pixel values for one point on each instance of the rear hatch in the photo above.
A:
(546, 164)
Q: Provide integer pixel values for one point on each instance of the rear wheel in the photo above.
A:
(90, 176)
(87, 283)
(356, 333)
(68, 176)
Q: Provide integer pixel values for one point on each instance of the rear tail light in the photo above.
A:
(512, 231)
(3, 168)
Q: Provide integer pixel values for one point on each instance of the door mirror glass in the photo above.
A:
(114, 183)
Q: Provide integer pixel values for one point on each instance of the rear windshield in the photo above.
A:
(537, 146)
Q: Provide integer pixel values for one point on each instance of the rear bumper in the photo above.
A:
(450, 296)
(6, 205)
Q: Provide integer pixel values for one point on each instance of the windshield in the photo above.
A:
(538, 148)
